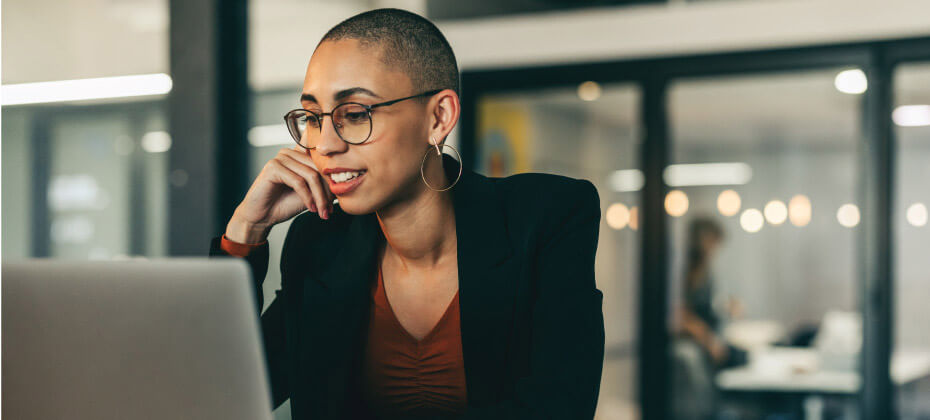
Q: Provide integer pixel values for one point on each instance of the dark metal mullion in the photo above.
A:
(907, 50)
(468, 126)
(876, 242)
(208, 116)
(234, 96)
(653, 373)
(138, 186)
(41, 150)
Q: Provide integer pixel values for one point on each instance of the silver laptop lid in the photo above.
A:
(158, 339)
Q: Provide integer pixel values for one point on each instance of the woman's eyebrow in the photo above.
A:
(342, 94)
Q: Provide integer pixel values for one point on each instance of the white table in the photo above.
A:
(797, 370)
(802, 374)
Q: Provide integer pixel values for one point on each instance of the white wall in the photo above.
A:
(662, 30)
(67, 39)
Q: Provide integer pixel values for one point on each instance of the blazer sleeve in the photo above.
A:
(567, 321)
(257, 260)
(272, 320)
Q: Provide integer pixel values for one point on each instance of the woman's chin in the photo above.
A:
(354, 207)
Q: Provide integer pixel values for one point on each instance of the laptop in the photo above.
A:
(155, 339)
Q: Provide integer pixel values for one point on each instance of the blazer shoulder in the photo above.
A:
(540, 205)
(548, 191)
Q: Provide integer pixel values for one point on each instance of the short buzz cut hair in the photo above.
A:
(407, 42)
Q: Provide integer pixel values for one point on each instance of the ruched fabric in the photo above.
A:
(406, 378)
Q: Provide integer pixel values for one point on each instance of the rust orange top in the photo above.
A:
(409, 378)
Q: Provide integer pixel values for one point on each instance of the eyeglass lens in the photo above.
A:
(352, 122)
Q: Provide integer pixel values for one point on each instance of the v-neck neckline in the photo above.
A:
(400, 326)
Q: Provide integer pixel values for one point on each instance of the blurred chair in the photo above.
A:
(693, 392)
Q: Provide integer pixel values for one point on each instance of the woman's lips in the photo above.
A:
(341, 188)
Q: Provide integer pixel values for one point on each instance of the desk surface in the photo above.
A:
(906, 367)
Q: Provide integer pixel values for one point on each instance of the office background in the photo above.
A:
(801, 127)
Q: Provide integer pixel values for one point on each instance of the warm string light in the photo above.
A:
(751, 220)
(728, 203)
(676, 203)
(775, 212)
(799, 210)
(618, 216)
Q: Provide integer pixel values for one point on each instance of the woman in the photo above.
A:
(700, 351)
(699, 319)
(428, 291)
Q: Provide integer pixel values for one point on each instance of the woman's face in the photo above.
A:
(710, 242)
(400, 133)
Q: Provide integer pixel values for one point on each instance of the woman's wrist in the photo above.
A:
(241, 231)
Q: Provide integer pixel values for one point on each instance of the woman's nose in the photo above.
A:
(329, 141)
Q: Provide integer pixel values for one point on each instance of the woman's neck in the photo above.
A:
(420, 232)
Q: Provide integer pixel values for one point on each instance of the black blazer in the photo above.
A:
(531, 316)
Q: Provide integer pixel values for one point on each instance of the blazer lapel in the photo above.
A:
(334, 321)
(487, 281)
(348, 278)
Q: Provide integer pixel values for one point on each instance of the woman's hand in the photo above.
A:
(735, 308)
(287, 185)
(718, 351)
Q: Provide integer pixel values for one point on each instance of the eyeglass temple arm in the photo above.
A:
(427, 93)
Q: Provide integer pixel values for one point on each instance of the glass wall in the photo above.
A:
(85, 181)
(763, 202)
(911, 361)
(591, 132)
(17, 212)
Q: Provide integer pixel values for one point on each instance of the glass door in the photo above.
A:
(763, 201)
(588, 131)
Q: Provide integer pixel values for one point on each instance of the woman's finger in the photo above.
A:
(303, 156)
(313, 181)
(286, 176)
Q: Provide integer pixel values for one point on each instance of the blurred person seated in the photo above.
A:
(699, 350)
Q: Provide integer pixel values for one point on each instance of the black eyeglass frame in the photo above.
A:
(368, 109)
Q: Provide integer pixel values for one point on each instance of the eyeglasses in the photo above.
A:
(351, 120)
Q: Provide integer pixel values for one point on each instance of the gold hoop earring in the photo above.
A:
(439, 153)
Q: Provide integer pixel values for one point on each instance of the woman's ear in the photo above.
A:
(445, 113)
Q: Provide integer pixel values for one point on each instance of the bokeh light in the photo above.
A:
(728, 203)
(618, 216)
(917, 214)
(775, 212)
(799, 210)
(851, 81)
(156, 142)
(911, 115)
(589, 91)
(848, 215)
(676, 203)
(751, 220)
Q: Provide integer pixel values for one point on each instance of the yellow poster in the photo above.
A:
(503, 138)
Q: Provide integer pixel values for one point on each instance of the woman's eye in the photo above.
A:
(355, 116)
(309, 119)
